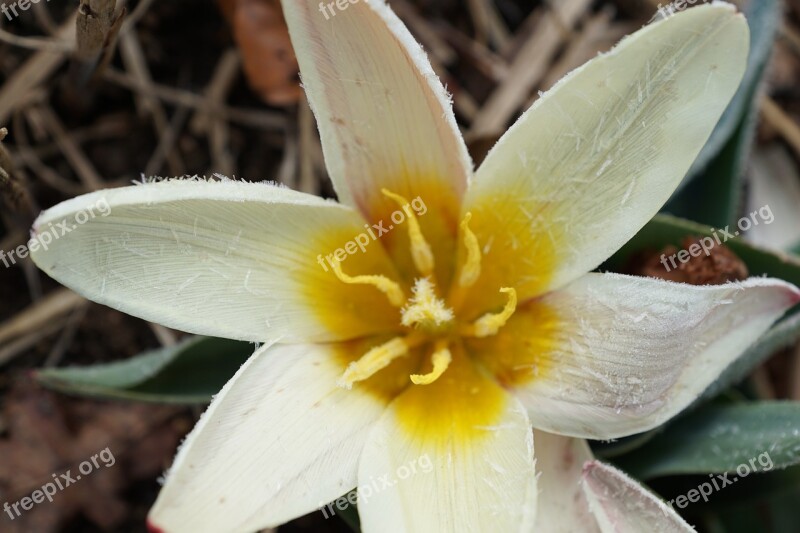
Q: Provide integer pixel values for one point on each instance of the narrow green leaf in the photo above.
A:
(763, 17)
(764, 436)
(715, 197)
(188, 373)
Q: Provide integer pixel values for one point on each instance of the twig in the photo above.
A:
(527, 69)
(251, 117)
(147, 105)
(166, 143)
(485, 61)
(217, 130)
(36, 43)
(37, 315)
(67, 335)
(308, 182)
(137, 13)
(74, 154)
(425, 32)
(44, 19)
(287, 171)
(582, 48)
(17, 347)
(488, 24)
(164, 335)
(16, 195)
(779, 120)
(19, 87)
(222, 80)
(94, 27)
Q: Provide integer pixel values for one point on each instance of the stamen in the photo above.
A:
(376, 359)
(472, 267)
(490, 324)
(426, 311)
(421, 251)
(390, 288)
(441, 360)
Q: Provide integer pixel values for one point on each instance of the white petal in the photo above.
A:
(621, 505)
(384, 117)
(627, 353)
(470, 484)
(229, 259)
(562, 506)
(599, 154)
(279, 441)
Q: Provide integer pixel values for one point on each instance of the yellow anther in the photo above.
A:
(426, 310)
(376, 359)
(390, 288)
(490, 324)
(441, 360)
(421, 251)
(472, 267)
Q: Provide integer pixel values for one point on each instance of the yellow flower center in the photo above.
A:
(427, 316)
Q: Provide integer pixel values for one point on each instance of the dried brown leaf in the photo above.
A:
(268, 59)
(719, 267)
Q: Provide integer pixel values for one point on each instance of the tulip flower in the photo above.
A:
(476, 334)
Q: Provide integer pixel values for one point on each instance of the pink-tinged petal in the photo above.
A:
(611, 355)
(599, 154)
(621, 505)
(384, 117)
(229, 259)
(562, 505)
(279, 441)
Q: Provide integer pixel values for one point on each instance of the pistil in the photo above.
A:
(426, 310)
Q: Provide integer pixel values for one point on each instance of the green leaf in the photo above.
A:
(764, 436)
(715, 197)
(666, 229)
(763, 17)
(753, 493)
(190, 372)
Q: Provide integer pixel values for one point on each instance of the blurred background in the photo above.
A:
(106, 93)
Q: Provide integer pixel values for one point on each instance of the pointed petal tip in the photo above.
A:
(794, 295)
(790, 291)
(152, 528)
(589, 468)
